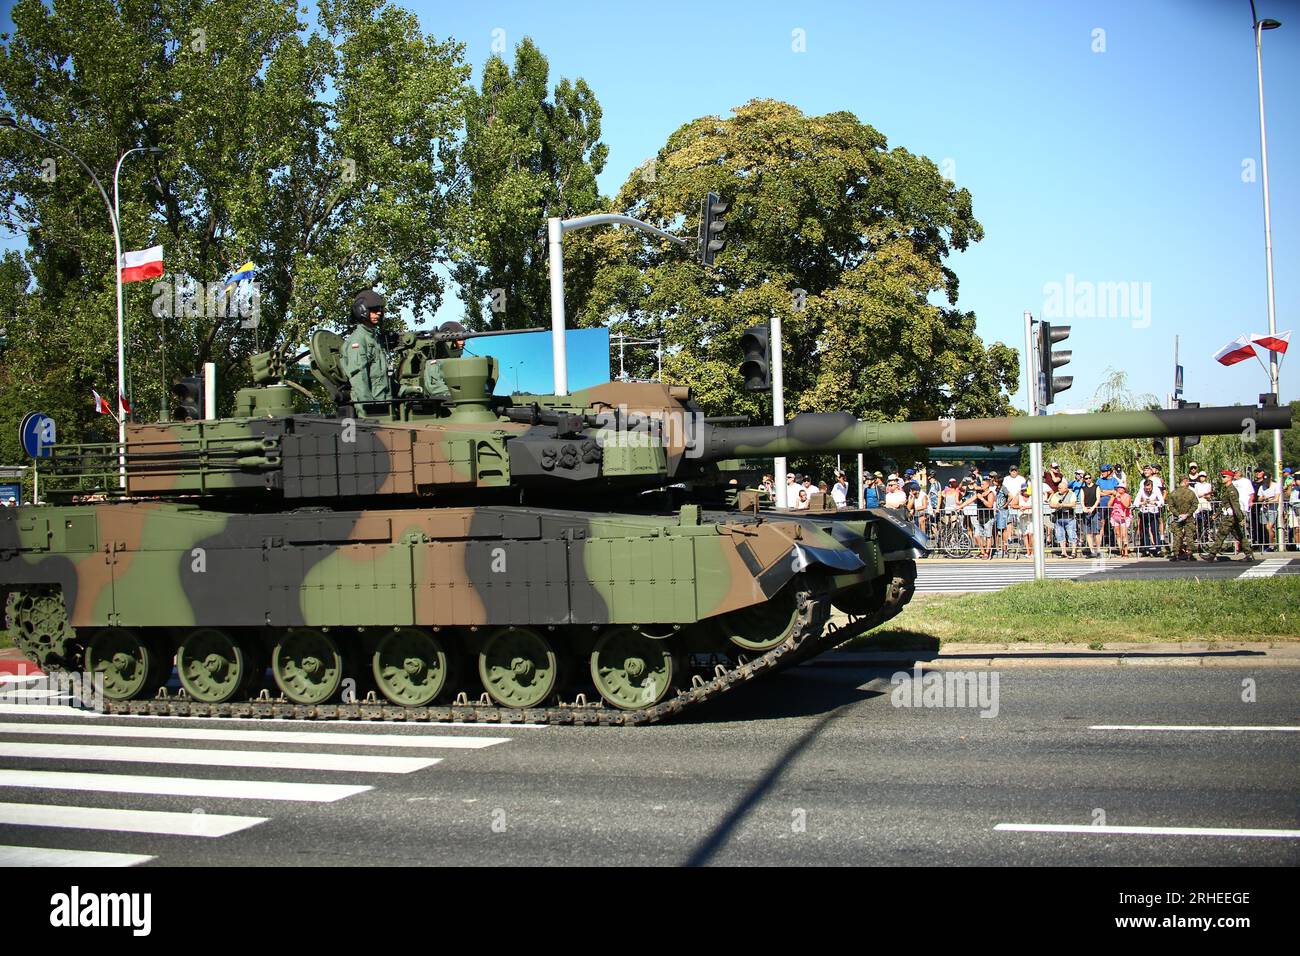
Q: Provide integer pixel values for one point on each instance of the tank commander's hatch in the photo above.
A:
(326, 349)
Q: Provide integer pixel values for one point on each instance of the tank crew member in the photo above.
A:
(1231, 520)
(364, 359)
(1182, 504)
(435, 385)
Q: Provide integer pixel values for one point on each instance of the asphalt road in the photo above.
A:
(815, 766)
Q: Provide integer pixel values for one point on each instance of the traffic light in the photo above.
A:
(1159, 447)
(712, 225)
(1049, 335)
(754, 369)
(1187, 441)
(187, 398)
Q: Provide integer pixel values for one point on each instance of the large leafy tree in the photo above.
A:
(842, 237)
(529, 154)
(325, 154)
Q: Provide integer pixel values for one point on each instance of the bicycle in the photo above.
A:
(953, 539)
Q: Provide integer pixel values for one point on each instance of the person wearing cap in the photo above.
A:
(1063, 502)
(1121, 516)
(1107, 482)
(1182, 504)
(1267, 498)
(1022, 507)
(895, 496)
(1149, 502)
(840, 490)
(1232, 521)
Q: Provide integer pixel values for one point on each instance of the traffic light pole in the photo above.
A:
(1033, 378)
(778, 406)
(555, 230)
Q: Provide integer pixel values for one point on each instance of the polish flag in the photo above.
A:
(101, 404)
(121, 400)
(1238, 350)
(1274, 343)
(142, 265)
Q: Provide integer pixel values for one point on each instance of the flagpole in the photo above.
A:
(121, 340)
(1259, 27)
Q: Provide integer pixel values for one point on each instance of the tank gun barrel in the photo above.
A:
(818, 432)
(457, 335)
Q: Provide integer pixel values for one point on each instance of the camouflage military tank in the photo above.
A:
(454, 555)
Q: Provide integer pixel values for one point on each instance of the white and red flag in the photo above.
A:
(1238, 350)
(121, 400)
(1274, 343)
(101, 404)
(142, 265)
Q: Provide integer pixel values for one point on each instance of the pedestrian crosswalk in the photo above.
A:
(44, 762)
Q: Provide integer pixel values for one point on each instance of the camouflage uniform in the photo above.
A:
(365, 360)
(1230, 522)
(1182, 522)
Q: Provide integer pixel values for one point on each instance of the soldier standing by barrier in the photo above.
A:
(1182, 504)
(1231, 521)
(364, 359)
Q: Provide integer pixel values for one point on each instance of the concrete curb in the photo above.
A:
(1187, 654)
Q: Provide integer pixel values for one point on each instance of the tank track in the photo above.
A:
(813, 635)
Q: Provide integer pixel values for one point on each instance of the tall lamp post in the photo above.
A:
(1259, 26)
(8, 122)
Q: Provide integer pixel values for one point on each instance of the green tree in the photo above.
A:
(325, 154)
(842, 237)
(528, 156)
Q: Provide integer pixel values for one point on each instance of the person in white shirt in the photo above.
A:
(1148, 503)
(895, 497)
(1204, 493)
(1014, 482)
(1245, 491)
(840, 491)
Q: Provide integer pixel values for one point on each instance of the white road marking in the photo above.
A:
(1265, 727)
(50, 710)
(163, 822)
(179, 786)
(31, 693)
(218, 758)
(53, 709)
(1146, 831)
(44, 856)
(311, 738)
(1266, 568)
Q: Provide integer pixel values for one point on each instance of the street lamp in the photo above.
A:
(1259, 26)
(8, 122)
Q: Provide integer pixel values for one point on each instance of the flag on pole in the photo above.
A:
(121, 400)
(142, 265)
(1274, 343)
(239, 275)
(1238, 350)
(101, 404)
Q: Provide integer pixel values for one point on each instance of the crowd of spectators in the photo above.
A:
(1079, 515)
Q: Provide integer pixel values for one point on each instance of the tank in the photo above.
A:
(456, 555)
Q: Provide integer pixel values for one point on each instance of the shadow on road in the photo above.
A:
(715, 841)
(792, 693)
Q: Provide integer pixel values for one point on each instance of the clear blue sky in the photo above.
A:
(1122, 166)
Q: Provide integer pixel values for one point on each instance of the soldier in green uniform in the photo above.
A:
(1182, 504)
(1231, 520)
(364, 359)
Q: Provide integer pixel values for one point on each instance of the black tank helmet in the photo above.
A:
(367, 301)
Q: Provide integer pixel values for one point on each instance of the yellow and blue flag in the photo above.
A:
(239, 275)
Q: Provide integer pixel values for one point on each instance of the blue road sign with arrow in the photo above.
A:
(38, 434)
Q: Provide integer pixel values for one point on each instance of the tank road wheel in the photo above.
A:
(213, 666)
(129, 664)
(307, 666)
(410, 667)
(764, 626)
(632, 671)
(518, 668)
